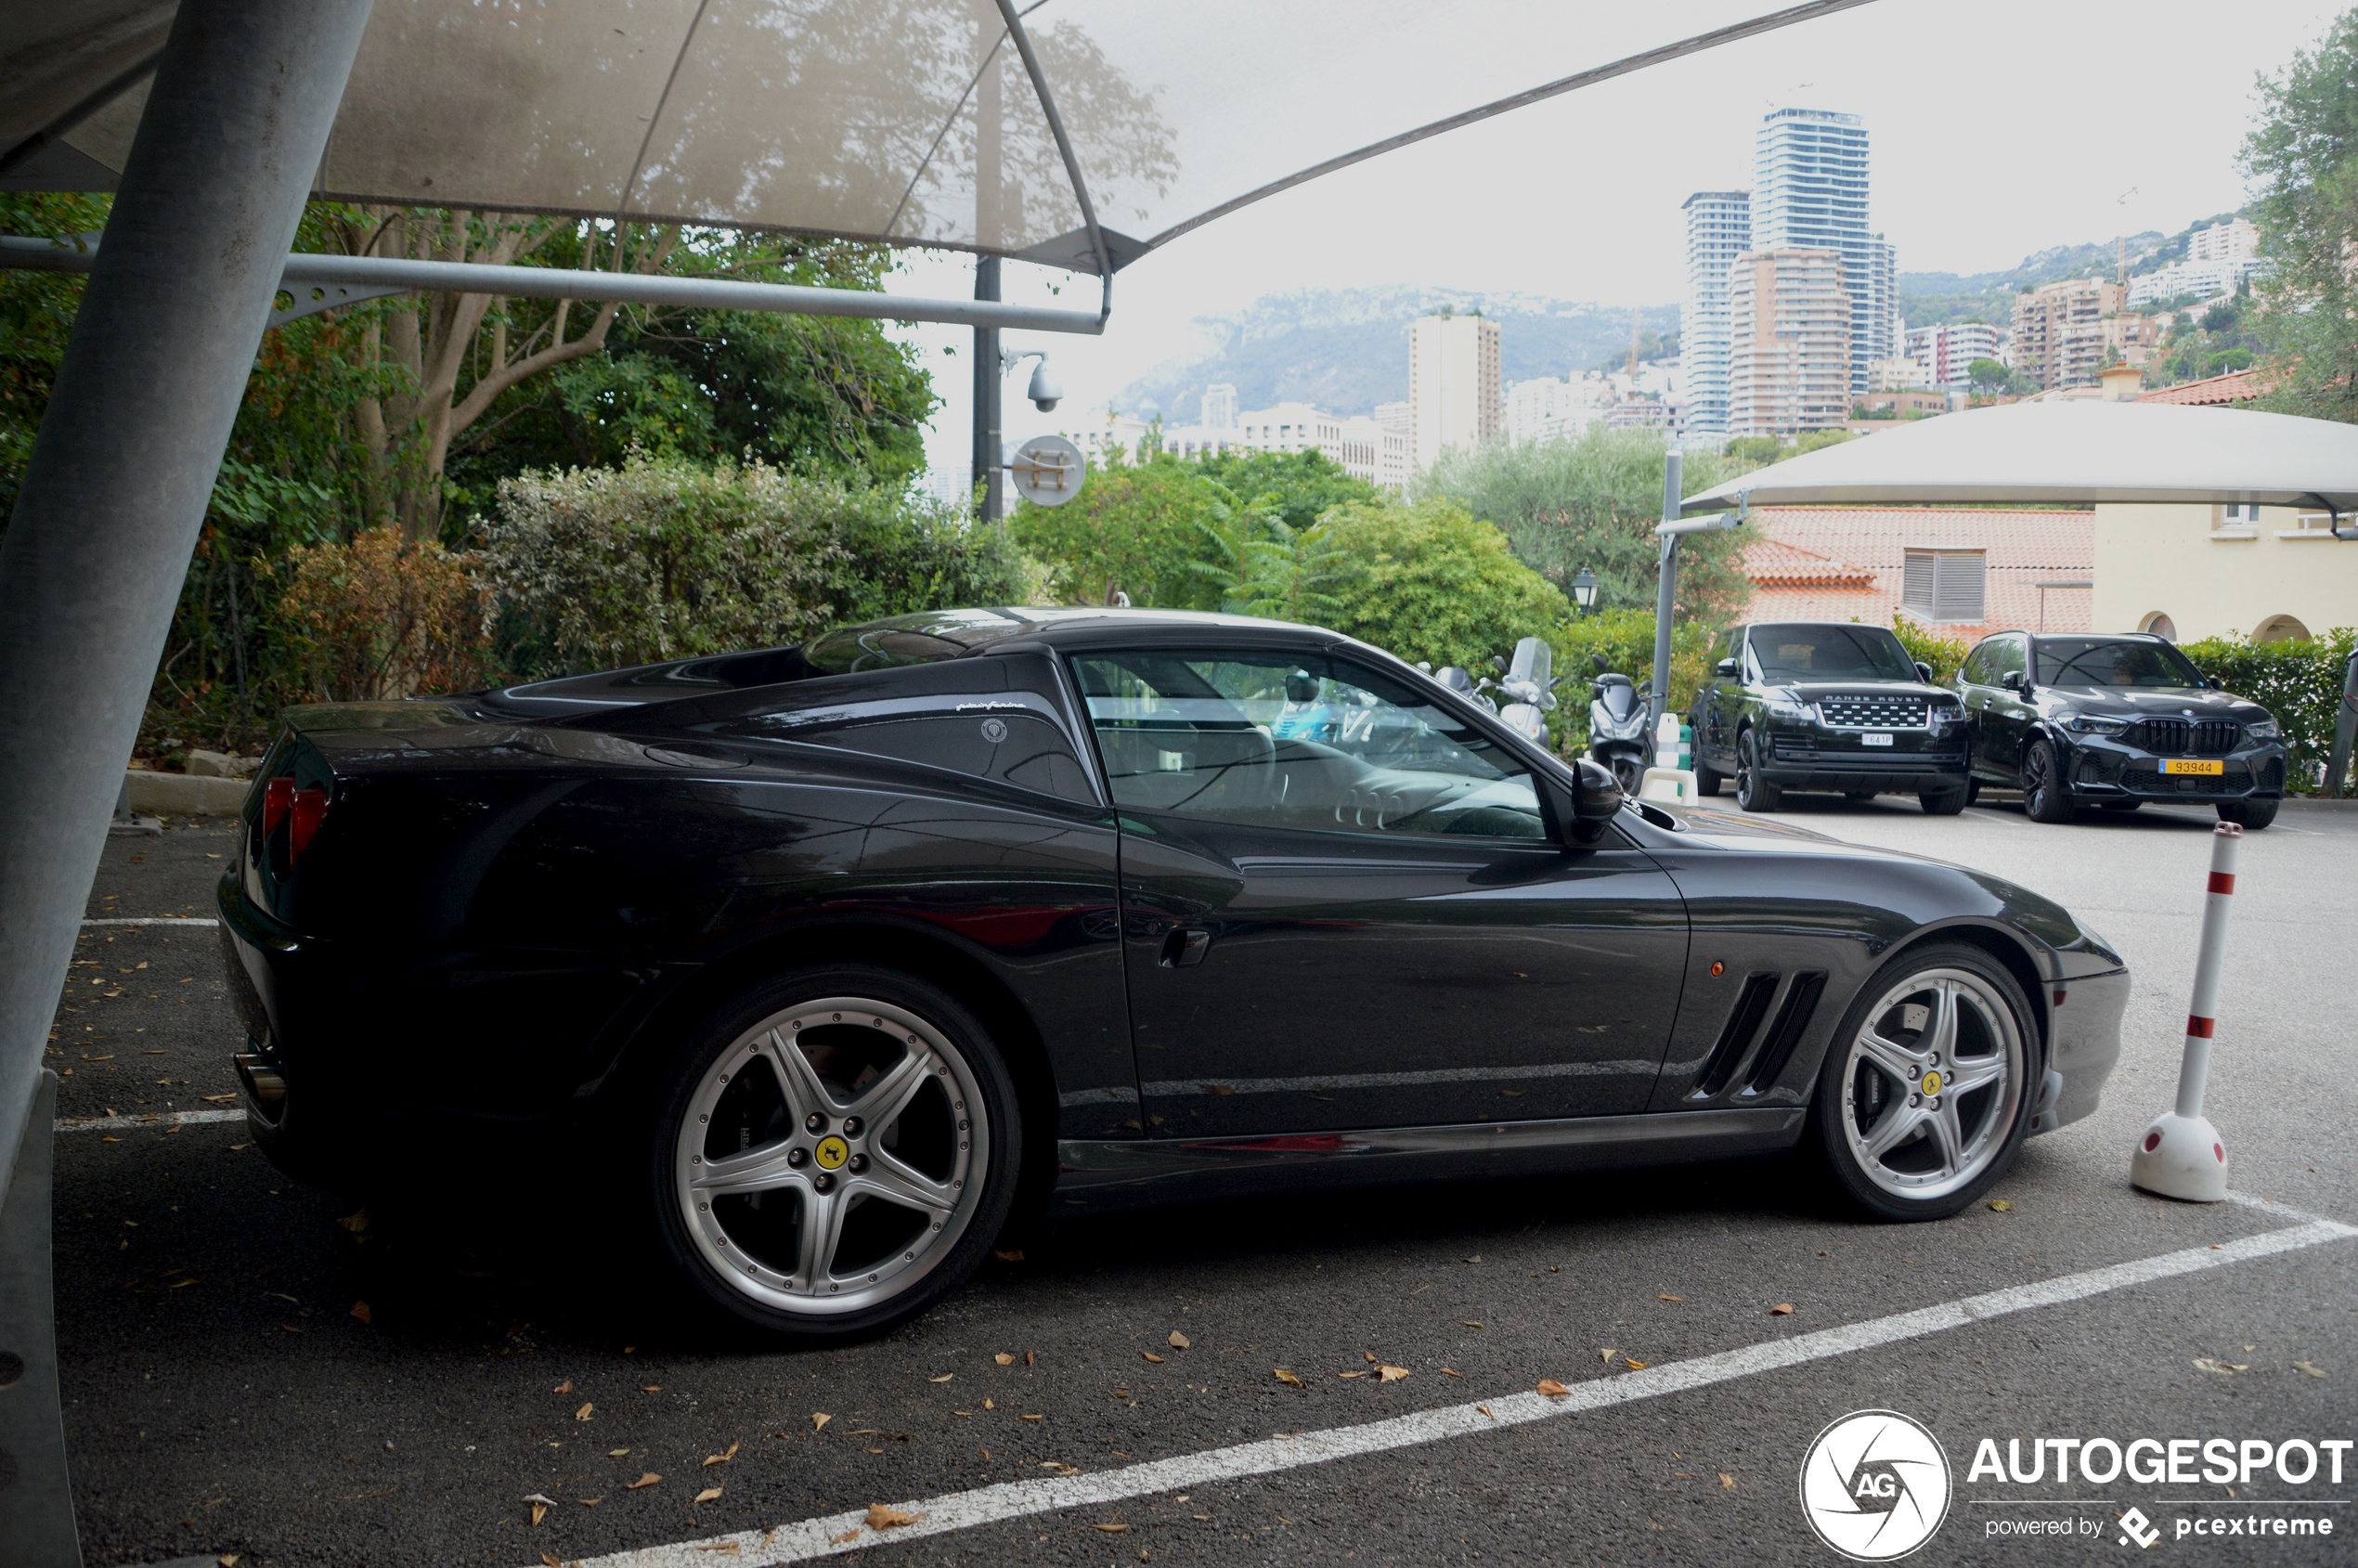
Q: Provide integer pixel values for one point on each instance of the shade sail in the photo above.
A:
(912, 120)
(2071, 452)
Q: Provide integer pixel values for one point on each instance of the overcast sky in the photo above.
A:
(1998, 127)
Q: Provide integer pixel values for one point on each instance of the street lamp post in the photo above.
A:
(1584, 591)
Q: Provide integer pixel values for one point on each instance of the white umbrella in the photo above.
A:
(2079, 452)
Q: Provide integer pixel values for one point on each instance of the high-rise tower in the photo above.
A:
(1809, 190)
(1719, 231)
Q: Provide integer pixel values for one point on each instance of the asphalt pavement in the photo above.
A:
(256, 1367)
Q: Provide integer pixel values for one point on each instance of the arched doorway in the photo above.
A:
(2160, 625)
(2280, 629)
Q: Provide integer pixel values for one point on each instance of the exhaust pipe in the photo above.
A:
(263, 1083)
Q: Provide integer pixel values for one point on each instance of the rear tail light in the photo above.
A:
(278, 798)
(308, 809)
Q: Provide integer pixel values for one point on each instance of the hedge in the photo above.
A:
(2299, 680)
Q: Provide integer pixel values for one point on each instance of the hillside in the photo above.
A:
(1346, 350)
(1931, 299)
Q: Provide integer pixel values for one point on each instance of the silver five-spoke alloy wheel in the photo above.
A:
(832, 1156)
(1933, 1083)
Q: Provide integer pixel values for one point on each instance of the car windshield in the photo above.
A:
(1830, 652)
(2107, 661)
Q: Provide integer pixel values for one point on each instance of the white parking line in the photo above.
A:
(133, 1123)
(834, 1534)
(151, 920)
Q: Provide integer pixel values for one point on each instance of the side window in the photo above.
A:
(1750, 667)
(1976, 671)
(2011, 655)
(997, 738)
(1277, 740)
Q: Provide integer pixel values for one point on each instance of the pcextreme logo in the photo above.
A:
(1875, 1485)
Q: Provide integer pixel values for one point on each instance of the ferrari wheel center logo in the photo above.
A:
(1932, 1084)
(831, 1153)
(1876, 1484)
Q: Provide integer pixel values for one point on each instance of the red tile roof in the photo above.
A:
(2235, 386)
(2024, 548)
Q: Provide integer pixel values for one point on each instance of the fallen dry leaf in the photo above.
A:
(539, 1513)
(1111, 1529)
(989, 1406)
(356, 1222)
(1607, 1354)
(1178, 1341)
(1485, 1410)
(583, 1414)
(549, 1561)
(1726, 1482)
(1447, 1373)
(1290, 1379)
(1782, 1309)
(1014, 1257)
(1635, 1365)
(1670, 1298)
(1032, 1417)
(648, 1479)
(2225, 1368)
(883, 1518)
(819, 1420)
(846, 1535)
(1028, 1359)
(2311, 1368)
(650, 1388)
(1552, 1389)
(1475, 1259)
(1004, 1359)
(360, 1310)
(1469, 1323)
(724, 1457)
(617, 1453)
(566, 1387)
(1350, 1374)
(943, 1379)
(708, 1493)
(1391, 1374)
(2002, 1206)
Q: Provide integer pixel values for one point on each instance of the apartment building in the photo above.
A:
(1809, 191)
(1789, 347)
(2060, 330)
(1719, 231)
(1946, 353)
(1455, 393)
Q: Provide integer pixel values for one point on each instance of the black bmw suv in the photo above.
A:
(2114, 719)
(1827, 705)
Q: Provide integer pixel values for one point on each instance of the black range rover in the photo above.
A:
(2115, 719)
(1827, 705)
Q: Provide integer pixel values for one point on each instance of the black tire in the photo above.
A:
(2255, 813)
(1973, 791)
(1752, 792)
(1941, 803)
(2045, 798)
(1707, 778)
(742, 1260)
(1629, 772)
(2001, 1114)
(2122, 806)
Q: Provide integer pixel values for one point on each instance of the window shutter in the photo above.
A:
(1944, 585)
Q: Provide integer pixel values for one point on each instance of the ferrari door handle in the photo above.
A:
(1185, 947)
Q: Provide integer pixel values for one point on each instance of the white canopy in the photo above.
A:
(919, 122)
(2072, 451)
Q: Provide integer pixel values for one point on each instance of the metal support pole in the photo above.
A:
(122, 471)
(36, 1496)
(988, 388)
(1665, 592)
(2345, 730)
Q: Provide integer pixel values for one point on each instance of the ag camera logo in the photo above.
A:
(1875, 1485)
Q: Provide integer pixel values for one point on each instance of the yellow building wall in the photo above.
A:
(2215, 581)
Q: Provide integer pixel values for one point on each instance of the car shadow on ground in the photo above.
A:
(1825, 811)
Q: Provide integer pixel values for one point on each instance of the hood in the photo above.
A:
(2150, 702)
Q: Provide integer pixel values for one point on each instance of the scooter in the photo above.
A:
(1459, 681)
(1529, 691)
(1617, 725)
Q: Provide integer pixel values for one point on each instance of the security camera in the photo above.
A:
(1045, 391)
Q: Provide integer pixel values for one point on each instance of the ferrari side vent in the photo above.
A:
(1801, 1002)
(1736, 1038)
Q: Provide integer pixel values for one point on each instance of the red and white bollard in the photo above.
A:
(2181, 1155)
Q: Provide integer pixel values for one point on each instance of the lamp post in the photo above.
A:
(1584, 591)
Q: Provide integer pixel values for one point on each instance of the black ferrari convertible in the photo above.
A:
(841, 953)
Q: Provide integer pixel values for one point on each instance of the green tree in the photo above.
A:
(2302, 160)
(1593, 503)
(1992, 378)
(1135, 529)
(1431, 581)
(1304, 485)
